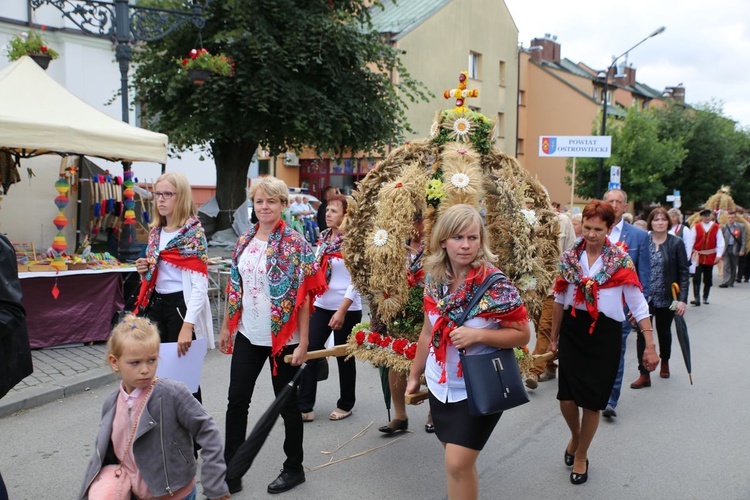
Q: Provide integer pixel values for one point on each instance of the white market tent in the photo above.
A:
(39, 116)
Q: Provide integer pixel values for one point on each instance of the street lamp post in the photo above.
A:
(600, 173)
(125, 25)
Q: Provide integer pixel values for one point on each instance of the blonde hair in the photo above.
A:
(454, 220)
(183, 204)
(273, 187)
(132, 328)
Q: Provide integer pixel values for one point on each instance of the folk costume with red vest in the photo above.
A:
(186, 251)
(292, 274)
(706, 243)
(501, 302)
(617, 269)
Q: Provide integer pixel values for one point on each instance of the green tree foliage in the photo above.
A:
(717, 152)
(645, 158)
(308, 73)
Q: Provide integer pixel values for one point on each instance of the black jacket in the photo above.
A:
(676, 266)
(15, 353)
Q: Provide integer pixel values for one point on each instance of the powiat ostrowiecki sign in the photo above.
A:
(575, 146)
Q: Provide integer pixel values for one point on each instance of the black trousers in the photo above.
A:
(319, 332)
(744, 268)
(247, 363)
(662, 317)
(167, 311)
(703, 272)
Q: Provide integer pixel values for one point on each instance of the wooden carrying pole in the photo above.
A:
(336, 351)
(418, 397)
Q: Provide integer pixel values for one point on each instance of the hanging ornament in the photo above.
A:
(128, 198)
(59, 245)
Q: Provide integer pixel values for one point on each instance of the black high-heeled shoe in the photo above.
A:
(394, 426)
(577, 478)
(569, 458)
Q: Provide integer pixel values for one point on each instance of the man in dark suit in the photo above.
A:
(634, 241)
(735, 237)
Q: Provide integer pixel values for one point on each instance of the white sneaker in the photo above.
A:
(532, 381)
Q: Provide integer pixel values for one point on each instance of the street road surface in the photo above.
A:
(669, 441)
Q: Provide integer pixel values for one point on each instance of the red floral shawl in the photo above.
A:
(186, 251)
(292, 274)
(502, 301)
(330, 248)
(618, 269)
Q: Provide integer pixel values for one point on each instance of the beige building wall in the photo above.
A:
(438, 50)
(550, 107)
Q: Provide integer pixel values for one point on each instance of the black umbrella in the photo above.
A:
(248, 450)
(386, 386)
(682, 335)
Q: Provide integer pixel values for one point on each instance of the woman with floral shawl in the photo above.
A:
(458, 261)
(174, 273)
(272, 276)
(595, 277)
(337, 310)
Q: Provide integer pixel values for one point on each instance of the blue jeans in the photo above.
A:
(615, 395)
(309, 229)
(193, 494)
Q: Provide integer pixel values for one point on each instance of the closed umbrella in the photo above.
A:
(384, 370)
(248, 450)
(682, 333)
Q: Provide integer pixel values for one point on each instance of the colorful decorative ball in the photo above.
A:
(60, 221)
(59, 244)
(62, 185)
(61, 201)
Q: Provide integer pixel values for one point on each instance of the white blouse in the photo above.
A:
(256, 295)
(609, 300)
(339, 288)
(454, 388)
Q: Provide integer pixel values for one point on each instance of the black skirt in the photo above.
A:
(588, 362)
(454, 425)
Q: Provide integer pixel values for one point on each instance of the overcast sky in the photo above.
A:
(706, 45)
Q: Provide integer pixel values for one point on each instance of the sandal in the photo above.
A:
(339, 414)
(308, 416)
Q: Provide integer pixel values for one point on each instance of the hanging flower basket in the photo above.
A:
(199, 76)
(33, 45)
(41, 59)
(201, 64)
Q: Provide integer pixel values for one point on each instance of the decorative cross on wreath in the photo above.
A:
(461, 93)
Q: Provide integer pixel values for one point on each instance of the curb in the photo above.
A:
(31, 397)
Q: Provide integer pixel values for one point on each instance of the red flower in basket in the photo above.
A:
(360, 337)
(374, 338)
(385, 341)
(399, 346)
(411, 351)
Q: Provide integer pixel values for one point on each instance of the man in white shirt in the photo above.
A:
(636, 243)
(708, 248)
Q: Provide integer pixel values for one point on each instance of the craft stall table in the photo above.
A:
(83, 310)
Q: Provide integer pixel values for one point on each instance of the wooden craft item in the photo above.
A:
(336, 351)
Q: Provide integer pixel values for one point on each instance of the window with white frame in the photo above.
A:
(475, 61)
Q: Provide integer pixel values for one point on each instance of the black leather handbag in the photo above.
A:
(493, 380)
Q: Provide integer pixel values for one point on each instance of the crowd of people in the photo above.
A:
(285, 298)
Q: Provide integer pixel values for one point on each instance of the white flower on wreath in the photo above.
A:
(526, 282)
(461, 127)
(434, 128)
(529, 215)
(460, 180)
(380, 238)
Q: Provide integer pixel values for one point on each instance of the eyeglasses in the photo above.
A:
(164, 194)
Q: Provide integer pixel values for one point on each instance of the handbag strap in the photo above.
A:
(486, 284)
